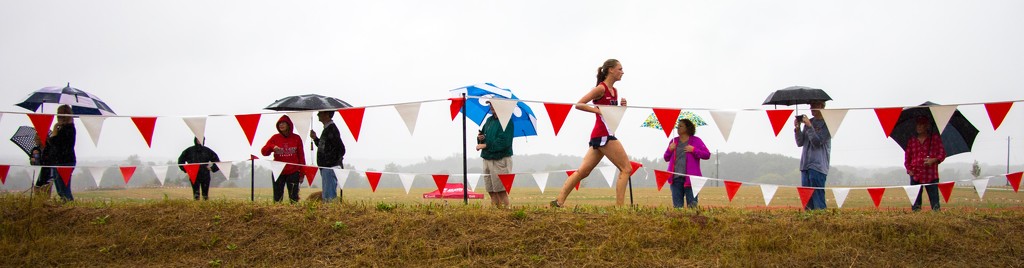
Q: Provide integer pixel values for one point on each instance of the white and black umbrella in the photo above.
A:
(81, 102)
(25, 138)
(307, 102)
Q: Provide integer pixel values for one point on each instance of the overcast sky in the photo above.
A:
(188, 58)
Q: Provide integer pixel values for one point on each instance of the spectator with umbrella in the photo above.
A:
(814, 138)
(81, 102)
(921, 158)
(59, 150)
(495, 146)
(331, 150)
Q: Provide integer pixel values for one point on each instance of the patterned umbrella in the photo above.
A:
(25, 138)
(307, 102)
(81, 102)
(652, 120)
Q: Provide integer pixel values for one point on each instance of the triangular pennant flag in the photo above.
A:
(225, 168)
(353, 119)
(1014, 180)
(942, 114)
(697, 183)
(127, 172)
(249, 123)
(161, 173)
(660, 177)
(310, 173)
(569, 173)
(768, 191)
(276, 168)
(145, 126)
(557, 112)
(409, 113)
(342, 176)
(876, 195)
(840, 195)
(541, 179)
(192, 170)
(300, 123)
(97, 174)
(946, 188)
(3, 173)
(406, 179)
(609, 173)
(997, 112)
(887, 118)
(198, 127)
(667, 119)
(612, 115)
(41, 122)
(440, 180)
(473, 180)
(833, 118)
(506, 180)
(731, 187)
(805, 195)
(65, 174)
(636, 167)
(456, 106)
(93, 125)
(912, 191)
(778, 119)
(374, 179)
(724, 121)
(980, 186)
(503, 109)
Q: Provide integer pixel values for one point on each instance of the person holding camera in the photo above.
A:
(817, 147)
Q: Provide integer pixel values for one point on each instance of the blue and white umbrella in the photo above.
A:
(81, 102)
(523, 119)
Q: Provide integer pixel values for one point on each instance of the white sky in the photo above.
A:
(187, 58)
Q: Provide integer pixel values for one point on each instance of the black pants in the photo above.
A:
(291, 181)
(201, 184)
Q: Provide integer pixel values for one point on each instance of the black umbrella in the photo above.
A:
(81, 102)
(957, 137)
(25, 138)
(796, 95)
(307, 102)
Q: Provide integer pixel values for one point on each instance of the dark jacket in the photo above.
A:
(331, 148)
(60, 148)
(499, 142)
(199, 154)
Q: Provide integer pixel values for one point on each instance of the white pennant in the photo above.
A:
(406, 180)
(503, 109)
(610, 173)
(409, 113)
(912, 191)
(840, 195)
(833, 118)
(612, 115)
(93, 125)
(473, 179)
(198, 127)
(342, 175)
(276, 168)
(724, 121)
(161, 173)
(942, 114)
(97, 174)
(225, 168)
(541, 179)
(300, 123)
(768, 191)
(697, 183)
(980, 186)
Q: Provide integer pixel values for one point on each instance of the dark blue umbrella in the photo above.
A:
(523, 120)
(81, 102)
(957, 137)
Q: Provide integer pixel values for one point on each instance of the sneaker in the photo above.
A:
(554, 204)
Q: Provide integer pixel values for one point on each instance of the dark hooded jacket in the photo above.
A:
(290, 146)
(60, 148)
(199, 154)
(331, 149)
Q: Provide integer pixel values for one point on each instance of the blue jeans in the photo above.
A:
(682, 193)
(813, 178)
(329, 182)
(933, 195)
(63, 190)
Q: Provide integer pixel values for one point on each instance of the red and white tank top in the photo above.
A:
(609, 97)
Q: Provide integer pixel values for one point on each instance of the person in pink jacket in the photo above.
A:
(286, 147)
(683, 155)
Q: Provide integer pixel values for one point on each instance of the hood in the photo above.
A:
(284, 118)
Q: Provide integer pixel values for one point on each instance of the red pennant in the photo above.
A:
(805, 195)
(636, 166)
(310, 173)
(65, 174)
(506, 180)
(887, 117)
(374, 178)
(778, 119)
(569, 173)
(876, 194)
(145, 126)
(667, 119)
(997, 112)
(253, 157)
(661, 177)
(42, 124)
(947, 190)
(127, 172)
(732, 186)
(1014, 180)
(354, 119)
(456, 106)
(440, 180)
(557, 112)
(3, 173)
(248, 122)
(192, 170)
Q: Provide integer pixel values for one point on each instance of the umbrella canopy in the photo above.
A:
(957, 137)
(307, 102)
(523, 120)
(25, 138)
(652, 120)
(452, 191)
(81, 102)
(796, 95)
